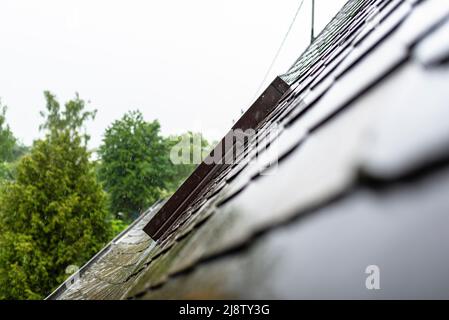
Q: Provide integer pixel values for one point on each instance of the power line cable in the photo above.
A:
(279, 49)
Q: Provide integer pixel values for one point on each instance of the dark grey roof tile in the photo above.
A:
(402, 229)
(434, 50)
(332, 65)
(374, 40)
(418, 25)
(157, 270)
(372, 69)
(409, 130)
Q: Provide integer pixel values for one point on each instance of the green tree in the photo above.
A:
(7, 139)
(53, 214)
(6, 172)
(10, 148)
(134, 164)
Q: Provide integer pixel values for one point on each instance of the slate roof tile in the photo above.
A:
(323, 254)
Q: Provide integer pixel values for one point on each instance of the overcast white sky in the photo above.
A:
(191, 64)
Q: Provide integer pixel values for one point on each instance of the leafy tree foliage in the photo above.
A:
(134, 164)
(10, 149)
(118, 226)
(54, 213)
(6, 172)
(8, 169)
(7, 139)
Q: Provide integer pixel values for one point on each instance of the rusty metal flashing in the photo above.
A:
(208, 170)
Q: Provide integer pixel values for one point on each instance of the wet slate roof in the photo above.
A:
(362, 179)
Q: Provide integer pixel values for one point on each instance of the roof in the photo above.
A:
(362, 178)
